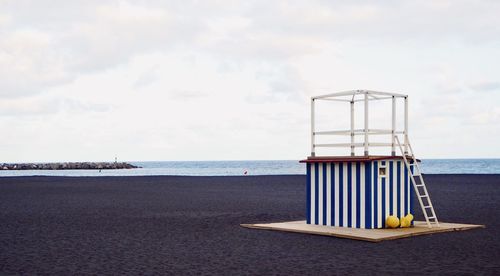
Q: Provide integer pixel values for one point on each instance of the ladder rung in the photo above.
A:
(428, 206)
(424, 195)
(431, 217)
(420, 185)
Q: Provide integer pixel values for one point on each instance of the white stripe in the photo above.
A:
(320, 193)
(388, 210)
(409, 186)
(410, 189)
(328, 194)
(313, 192)
(344, 223)
(401, 190)
(336, 185)
(372, 184)
(379, 197)
(353, 195)
(395, 187)
(362, 195)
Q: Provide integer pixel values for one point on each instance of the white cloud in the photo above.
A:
(486, 86)
(43, 106)
(29, 63)
(153, 80)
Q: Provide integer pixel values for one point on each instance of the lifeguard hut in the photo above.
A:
(361, 191)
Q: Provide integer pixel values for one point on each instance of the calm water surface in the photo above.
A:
(275, 167)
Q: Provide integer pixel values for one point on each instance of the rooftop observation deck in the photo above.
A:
(363, 96)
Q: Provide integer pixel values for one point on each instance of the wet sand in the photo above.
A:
(190, 225)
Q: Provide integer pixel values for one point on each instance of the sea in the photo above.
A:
(255, 167)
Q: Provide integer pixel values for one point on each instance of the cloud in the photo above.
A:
(35, 57)
(29, 63)
(239, 72)
(485, 86)
(42, 106)
(183, 95)
(383, 20)
(90, 36)
(284, 83)
(120, 31)
(5, 20)
(147, 77)
(488, 117)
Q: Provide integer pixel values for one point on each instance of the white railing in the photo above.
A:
(357, 96)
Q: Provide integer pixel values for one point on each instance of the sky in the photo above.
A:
(232, 80)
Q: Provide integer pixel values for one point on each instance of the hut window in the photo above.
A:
(382, 171)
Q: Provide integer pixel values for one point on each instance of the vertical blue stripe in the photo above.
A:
(332, 192)
(308, 192)
(391, 187)
(316, 193)
(398, 165)
(324, 194)
(341, 194)
(349, 194)
(368, 195)
(375, 195)
(383, 180)
(358, 195)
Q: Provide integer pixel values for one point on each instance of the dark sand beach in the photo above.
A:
(190, 225)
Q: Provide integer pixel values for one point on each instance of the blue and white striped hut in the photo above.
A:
(357, 192)
(362, 191)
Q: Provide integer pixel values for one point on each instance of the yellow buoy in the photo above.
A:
(405, 222)
(410, 217)
(392, 222)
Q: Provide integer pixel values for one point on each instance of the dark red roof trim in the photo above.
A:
(322, 159)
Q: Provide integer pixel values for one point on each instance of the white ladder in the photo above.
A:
(419, 185)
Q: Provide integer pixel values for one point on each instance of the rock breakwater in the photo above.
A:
(68, 166)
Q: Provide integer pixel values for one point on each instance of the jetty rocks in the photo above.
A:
(69, 166)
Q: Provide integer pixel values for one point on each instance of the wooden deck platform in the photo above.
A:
(372, 235)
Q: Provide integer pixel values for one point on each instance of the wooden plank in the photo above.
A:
(372, 235)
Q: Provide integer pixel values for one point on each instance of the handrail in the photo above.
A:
(365, 96)
(341, 145)
(358, 132)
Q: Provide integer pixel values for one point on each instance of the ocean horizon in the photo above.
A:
(255, 167)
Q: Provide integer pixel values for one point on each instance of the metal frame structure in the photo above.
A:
(362, 96)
